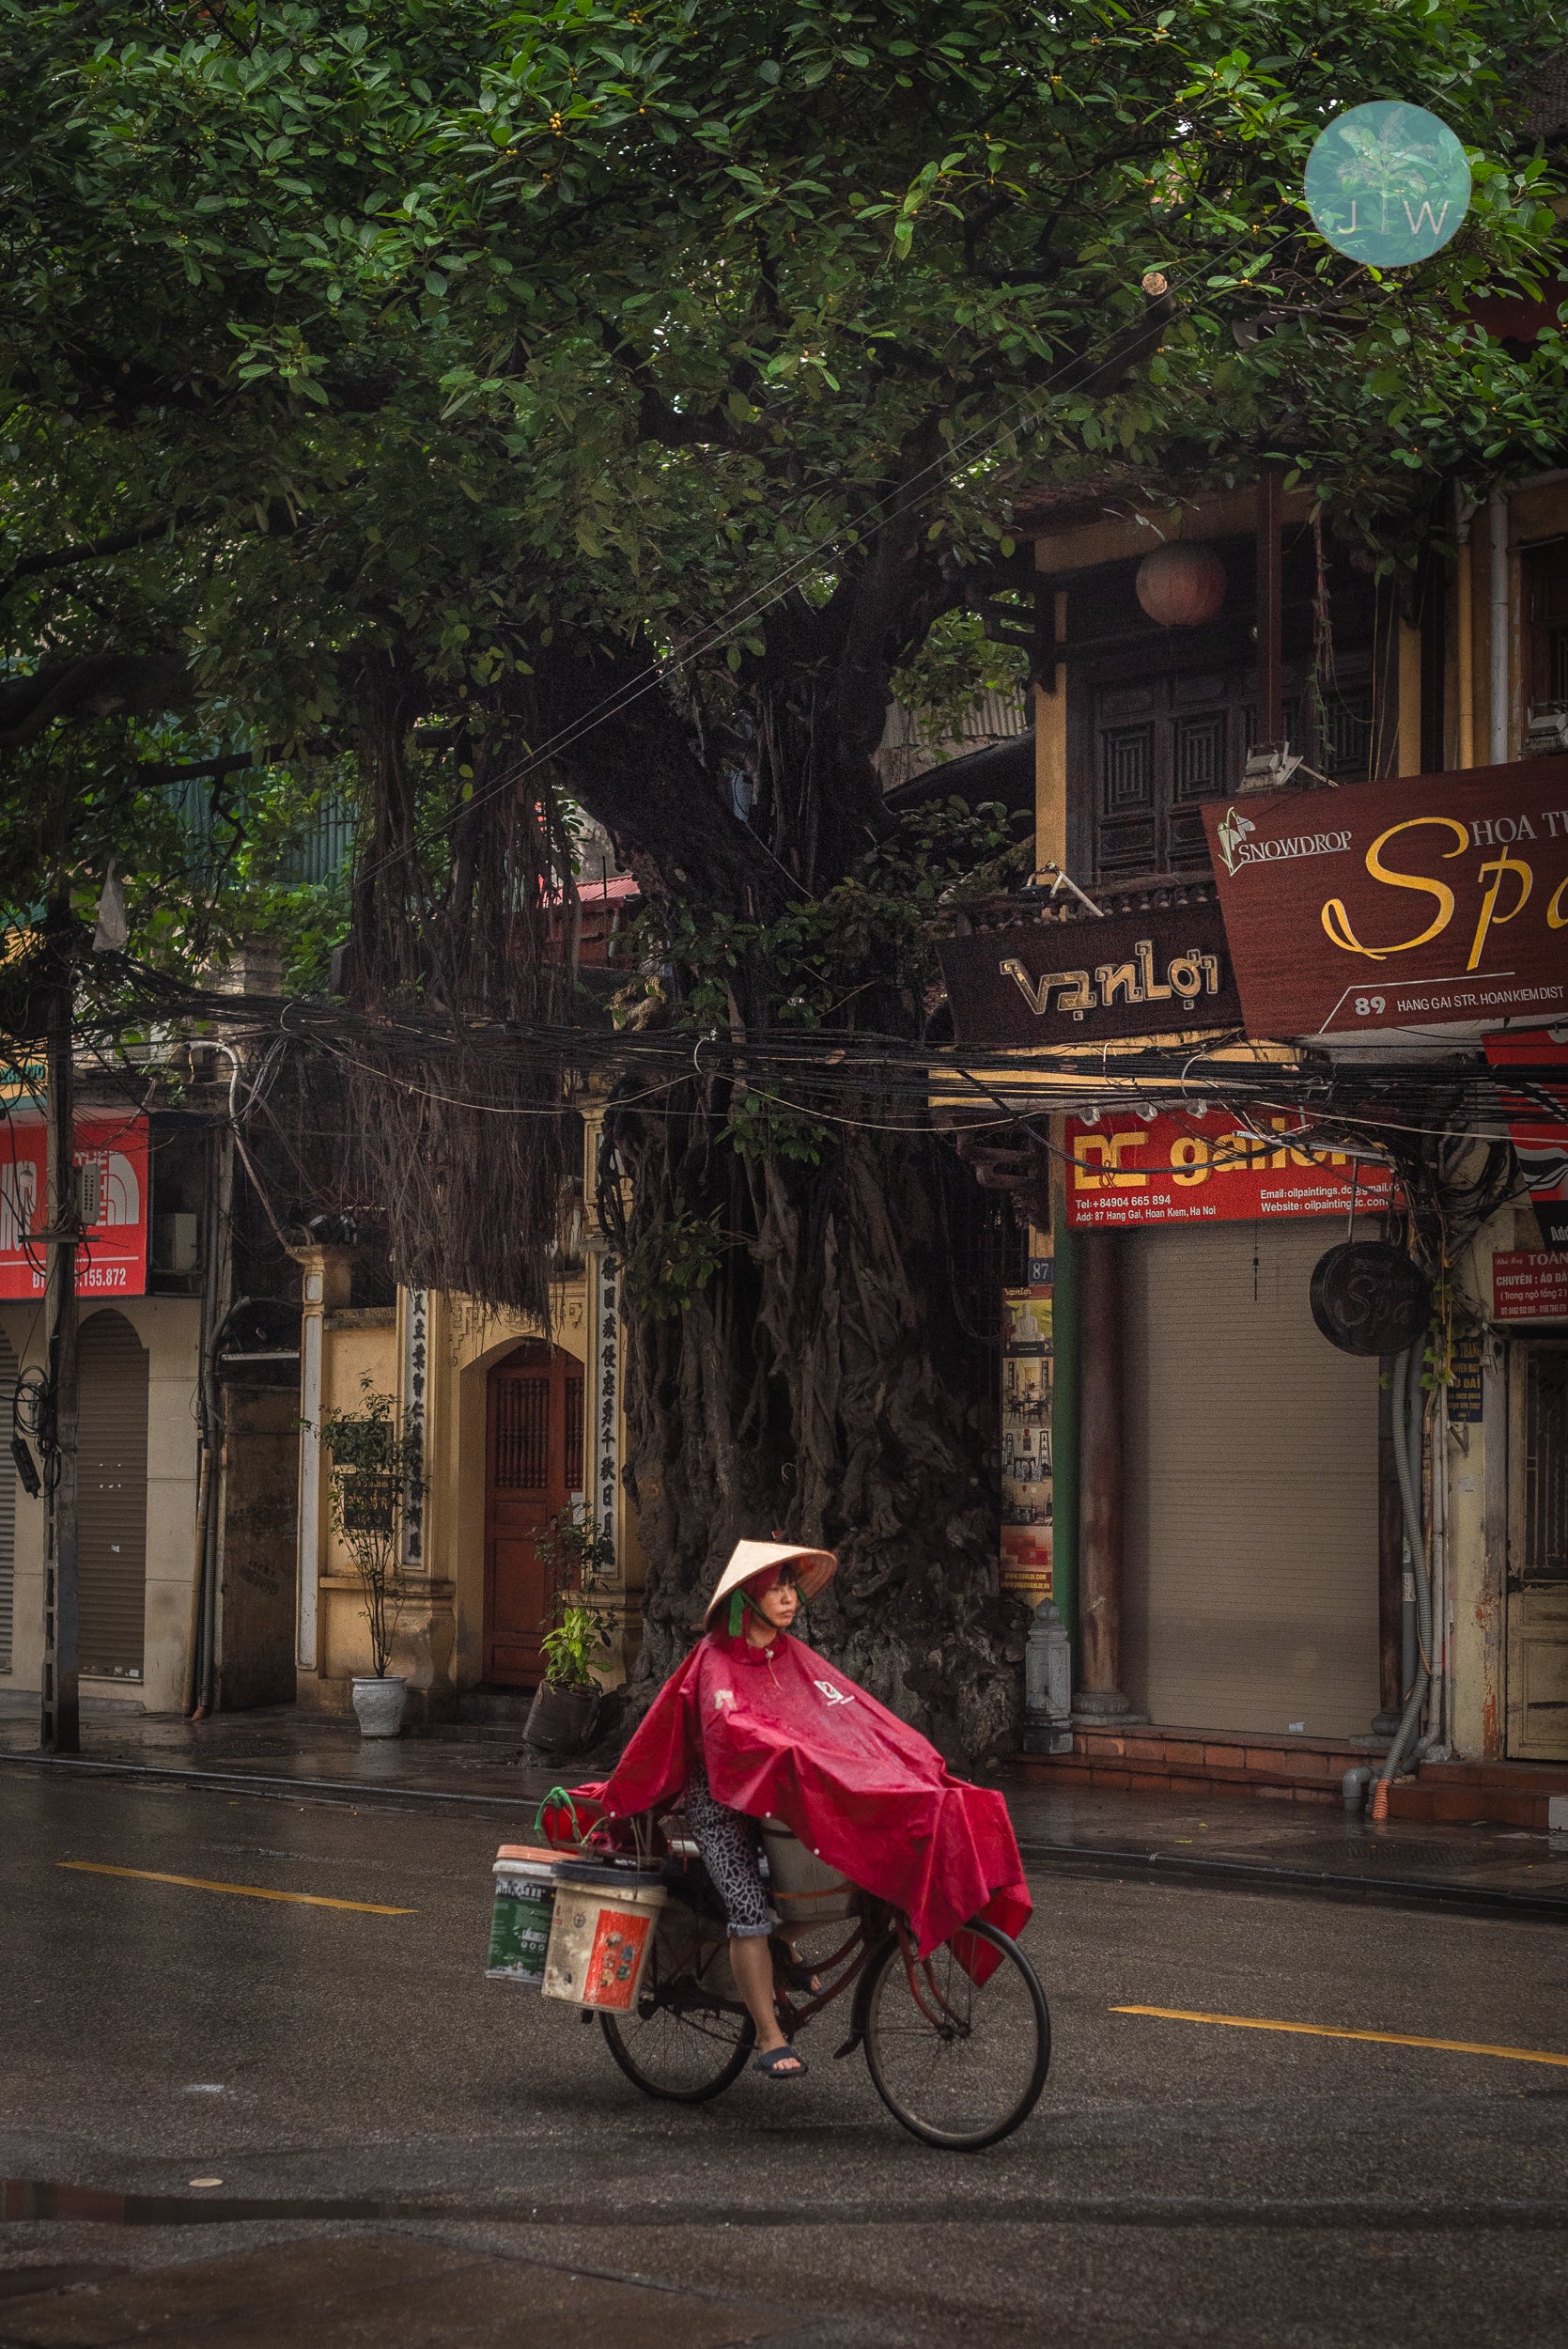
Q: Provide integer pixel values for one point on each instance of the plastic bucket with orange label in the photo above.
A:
(601, 1933)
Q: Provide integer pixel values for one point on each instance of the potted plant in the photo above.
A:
(566, 1704)
(376, 1469)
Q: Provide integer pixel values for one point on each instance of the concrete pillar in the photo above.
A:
(327, 1273)
(1100, 1691)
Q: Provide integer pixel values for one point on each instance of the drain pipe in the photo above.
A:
(1497, 681)
(1408, 1409)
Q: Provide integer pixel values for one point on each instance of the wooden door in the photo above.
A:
(1538, 1552)
(533, 1469)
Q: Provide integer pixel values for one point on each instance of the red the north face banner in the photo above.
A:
(1532, 1071)
(111, 1176)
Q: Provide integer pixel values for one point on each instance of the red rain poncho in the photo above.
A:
(784, 1735)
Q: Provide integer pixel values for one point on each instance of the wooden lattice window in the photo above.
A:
(1543, 573)
(522, 1434)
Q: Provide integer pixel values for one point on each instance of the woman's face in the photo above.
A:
(778, 1603)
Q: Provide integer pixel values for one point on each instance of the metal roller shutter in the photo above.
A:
(8, 1503)
(112, 1399)
(1251, 1488)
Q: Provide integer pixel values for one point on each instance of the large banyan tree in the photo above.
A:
(505, 412)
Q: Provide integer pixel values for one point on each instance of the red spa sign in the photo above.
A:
(1188, 1169)
(111, 1173)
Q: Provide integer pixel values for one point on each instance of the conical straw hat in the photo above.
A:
(818, 1569)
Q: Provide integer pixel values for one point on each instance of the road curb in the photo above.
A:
(1084, 1858)
(1098, 1859)
(272, 1784)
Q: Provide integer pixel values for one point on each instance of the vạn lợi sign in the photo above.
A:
(1432, 899)
(1191, 1169)
(1165, 971)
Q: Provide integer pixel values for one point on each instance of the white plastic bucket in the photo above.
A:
(600, 1934)
(804, 1889)
(520, 1913)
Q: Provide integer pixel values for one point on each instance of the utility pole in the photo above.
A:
(59, 1726)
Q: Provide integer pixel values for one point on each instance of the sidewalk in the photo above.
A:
(1106, 1830)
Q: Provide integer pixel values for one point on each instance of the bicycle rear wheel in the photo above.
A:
(959, 2063)
(687, 2037)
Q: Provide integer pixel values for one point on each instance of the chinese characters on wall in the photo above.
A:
(607, 1396)
(1026, 1364)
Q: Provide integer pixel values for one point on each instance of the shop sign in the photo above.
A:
(1370, 1298)
(1150, 973)
(1191, 1169)
(111, 1174)
(1393, 905)
(1529, 1285)
(1466, 1392)
(1027, 1482)
(1532, 1071)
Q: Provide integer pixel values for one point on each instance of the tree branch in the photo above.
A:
(95, 549)
(91, 685)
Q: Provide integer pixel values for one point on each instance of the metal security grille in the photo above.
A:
(573, 1443)
(522, 1434)
(7, 1504)
(112, 1399)
(1251, 1467)
(1545, 1528)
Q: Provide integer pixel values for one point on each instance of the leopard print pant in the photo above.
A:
(728, 1843)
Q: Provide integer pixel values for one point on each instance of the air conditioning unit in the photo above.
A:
(1546, 729)
(1268, 767)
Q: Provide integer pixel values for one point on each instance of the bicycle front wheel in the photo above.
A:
(960, 2063)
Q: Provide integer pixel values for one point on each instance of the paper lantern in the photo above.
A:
(1181, 586)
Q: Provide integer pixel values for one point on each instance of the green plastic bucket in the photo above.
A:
(521, 1913)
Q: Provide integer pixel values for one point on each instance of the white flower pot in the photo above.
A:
(379, 1705)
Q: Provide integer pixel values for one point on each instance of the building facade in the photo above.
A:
(1210, 1488)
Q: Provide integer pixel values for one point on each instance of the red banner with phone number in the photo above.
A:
(111, 1173)
(1191, 1169)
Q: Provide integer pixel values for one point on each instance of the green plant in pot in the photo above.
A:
(376, 1469)
(580, 1558)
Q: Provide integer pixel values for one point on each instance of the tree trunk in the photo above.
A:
(825, 1382)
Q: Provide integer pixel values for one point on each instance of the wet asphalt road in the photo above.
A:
(1178, 2181)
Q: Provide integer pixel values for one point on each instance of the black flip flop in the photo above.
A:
(770, 2060)
(793, 1971)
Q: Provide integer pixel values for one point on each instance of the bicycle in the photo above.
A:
(959, 2063)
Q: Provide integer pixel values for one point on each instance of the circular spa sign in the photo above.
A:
(1388, 183)
(1367, 1297)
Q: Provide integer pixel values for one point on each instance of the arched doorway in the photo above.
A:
(532, 1468)
(110, 1502)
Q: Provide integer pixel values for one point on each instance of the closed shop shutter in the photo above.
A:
(1251, 1470)
(7, 1504)
(111, 1392)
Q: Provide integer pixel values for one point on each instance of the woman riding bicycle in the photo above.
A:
(754, 1725)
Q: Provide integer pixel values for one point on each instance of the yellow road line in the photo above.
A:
(248, 1892)
(1330, 2030)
